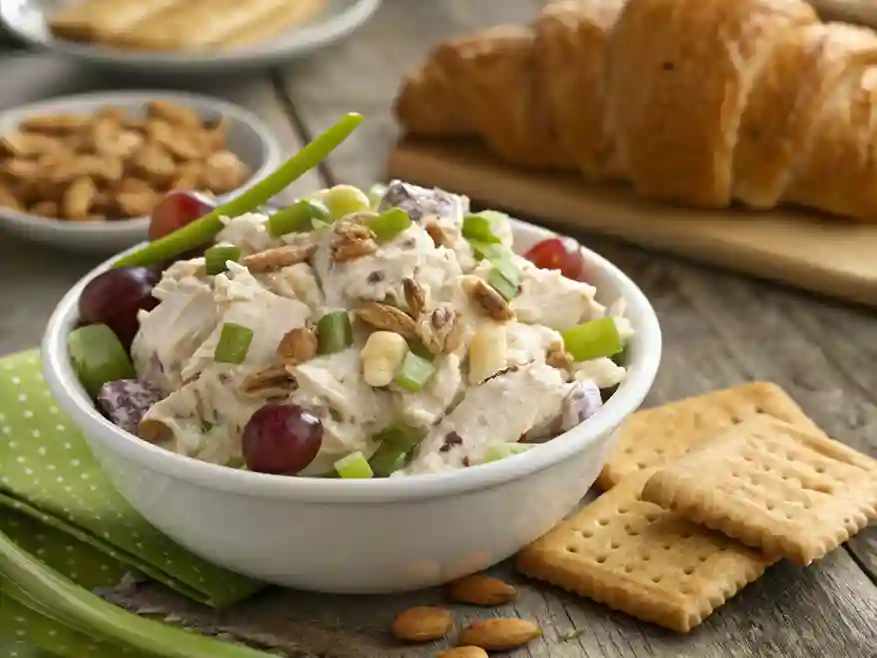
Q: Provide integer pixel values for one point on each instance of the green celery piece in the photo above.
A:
(204, 228)
(98, 357)
(499, 451)
(401, 435)
(501, 284)
(334, 332)
(388, 458)
(81, 609)
(414, 373)
(215, 258)
(354, 467)
(478, 228)
(234, 343)
(592, 340)
(500, 256)
(376, 194)
(389, 224)
(297, 218)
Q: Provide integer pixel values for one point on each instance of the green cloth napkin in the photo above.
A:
(57, 504)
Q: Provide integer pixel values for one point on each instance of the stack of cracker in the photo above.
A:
(702, 495)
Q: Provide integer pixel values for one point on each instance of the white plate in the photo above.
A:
(248, 138)
(27, 20)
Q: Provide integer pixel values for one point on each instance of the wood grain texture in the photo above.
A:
(36, 276)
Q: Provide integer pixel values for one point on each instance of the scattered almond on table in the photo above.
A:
(111, 165)
(464, 652)
(479, 589)
(422, 624)
(500, 634)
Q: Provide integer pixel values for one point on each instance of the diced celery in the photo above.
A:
(297, 218)
(234, 343)
(334, 332)
(216, 258)
(376, 195)
(389, 224)
(388, 459)
(354, 466)
(479, 228)
(501, 284)
(592, 340)
(499, 451)
(414, 373)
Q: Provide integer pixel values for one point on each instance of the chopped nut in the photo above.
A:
(28, 145)
(274, 380)
(188, 176)
(173, 113)
(560, 359)
(223, 172)
(21, 169)
(415, 296)
(152, 163)
(101, 168)
(491, 302)
(135, 203)
(297, 346)
(44, 209)
(78, 199)
(55, 123)
(435, 232)
(440, 330)
(352, 240)
(275, 259)
(387, 318)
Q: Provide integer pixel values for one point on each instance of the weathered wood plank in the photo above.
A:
(41, 275)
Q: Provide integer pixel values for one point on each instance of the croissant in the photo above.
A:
(700, 102)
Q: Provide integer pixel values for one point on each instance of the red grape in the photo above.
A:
(114, 297)
(558, 254)
(176, 209)
(281, 438)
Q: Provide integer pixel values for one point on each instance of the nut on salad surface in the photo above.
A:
(337, 338)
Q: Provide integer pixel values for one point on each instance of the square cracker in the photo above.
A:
(656, 436)
(640, 559)
(794, 493)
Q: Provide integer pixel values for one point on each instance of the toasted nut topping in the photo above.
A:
(387, 318)
(352, 241)
(435, 232)
(500, 634)
(153, 431)
(558, 358)
(440, 329)
(270, 381)
(479, 589)
(415, 296)
(278, 258)
(297, 346)
(422, 624)
(491, 302)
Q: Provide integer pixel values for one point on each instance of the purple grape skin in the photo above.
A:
(580, 404)
(282, 439)
(124, 401)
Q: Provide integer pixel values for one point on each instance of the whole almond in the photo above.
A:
(464, 652)
(479, 589)
(500, 634)
(422, 624)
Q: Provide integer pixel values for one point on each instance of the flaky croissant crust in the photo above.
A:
(700, 102)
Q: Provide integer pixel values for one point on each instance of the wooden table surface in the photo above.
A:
(719, 329)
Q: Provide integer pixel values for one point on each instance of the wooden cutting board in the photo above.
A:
(825, 255)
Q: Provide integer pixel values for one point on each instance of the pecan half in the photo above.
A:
(387, 318)
(352, 241)
(297, 346)
(440, 329)
(558, 358)
(415, 296)
(491, 302)
(435, 232)
(273, 380)
(279, 257)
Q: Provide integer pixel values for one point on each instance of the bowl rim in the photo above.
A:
(70, 396)
(271, 156)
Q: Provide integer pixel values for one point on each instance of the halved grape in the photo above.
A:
(562, 254)
(98, 357)
(176, 209)
(114, 297)
(281, 438)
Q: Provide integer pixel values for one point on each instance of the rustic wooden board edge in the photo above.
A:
(709, 236)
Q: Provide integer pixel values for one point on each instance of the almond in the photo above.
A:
(479, 589)
(464, 652)
(422, 624)
(500, 634)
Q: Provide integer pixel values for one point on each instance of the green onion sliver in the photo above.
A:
(98, 357)
(216, 258)
(479, 228)
(592, 340)
(205, 228)
(334, 332)
(414, 373)
(234, 343)
(297, 218)
(499, 451)
(501, 284)
(389, 224)
(354, 466)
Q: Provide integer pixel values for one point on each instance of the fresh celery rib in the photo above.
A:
(203, 229)
(84, 610)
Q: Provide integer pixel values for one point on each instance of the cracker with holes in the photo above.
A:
(656, 436)
(791, 492)
(638, 558)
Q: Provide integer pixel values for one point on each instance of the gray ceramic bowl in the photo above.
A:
(249, 138)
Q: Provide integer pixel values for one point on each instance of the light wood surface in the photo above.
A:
(829, 256)
(719, 329)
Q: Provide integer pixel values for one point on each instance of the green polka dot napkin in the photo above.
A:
(56, 503)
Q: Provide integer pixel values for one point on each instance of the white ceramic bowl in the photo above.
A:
(363, 536)
(248, 138)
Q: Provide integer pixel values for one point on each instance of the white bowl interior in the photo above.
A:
(249, 138)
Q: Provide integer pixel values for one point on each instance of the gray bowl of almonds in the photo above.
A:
(84, 172)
